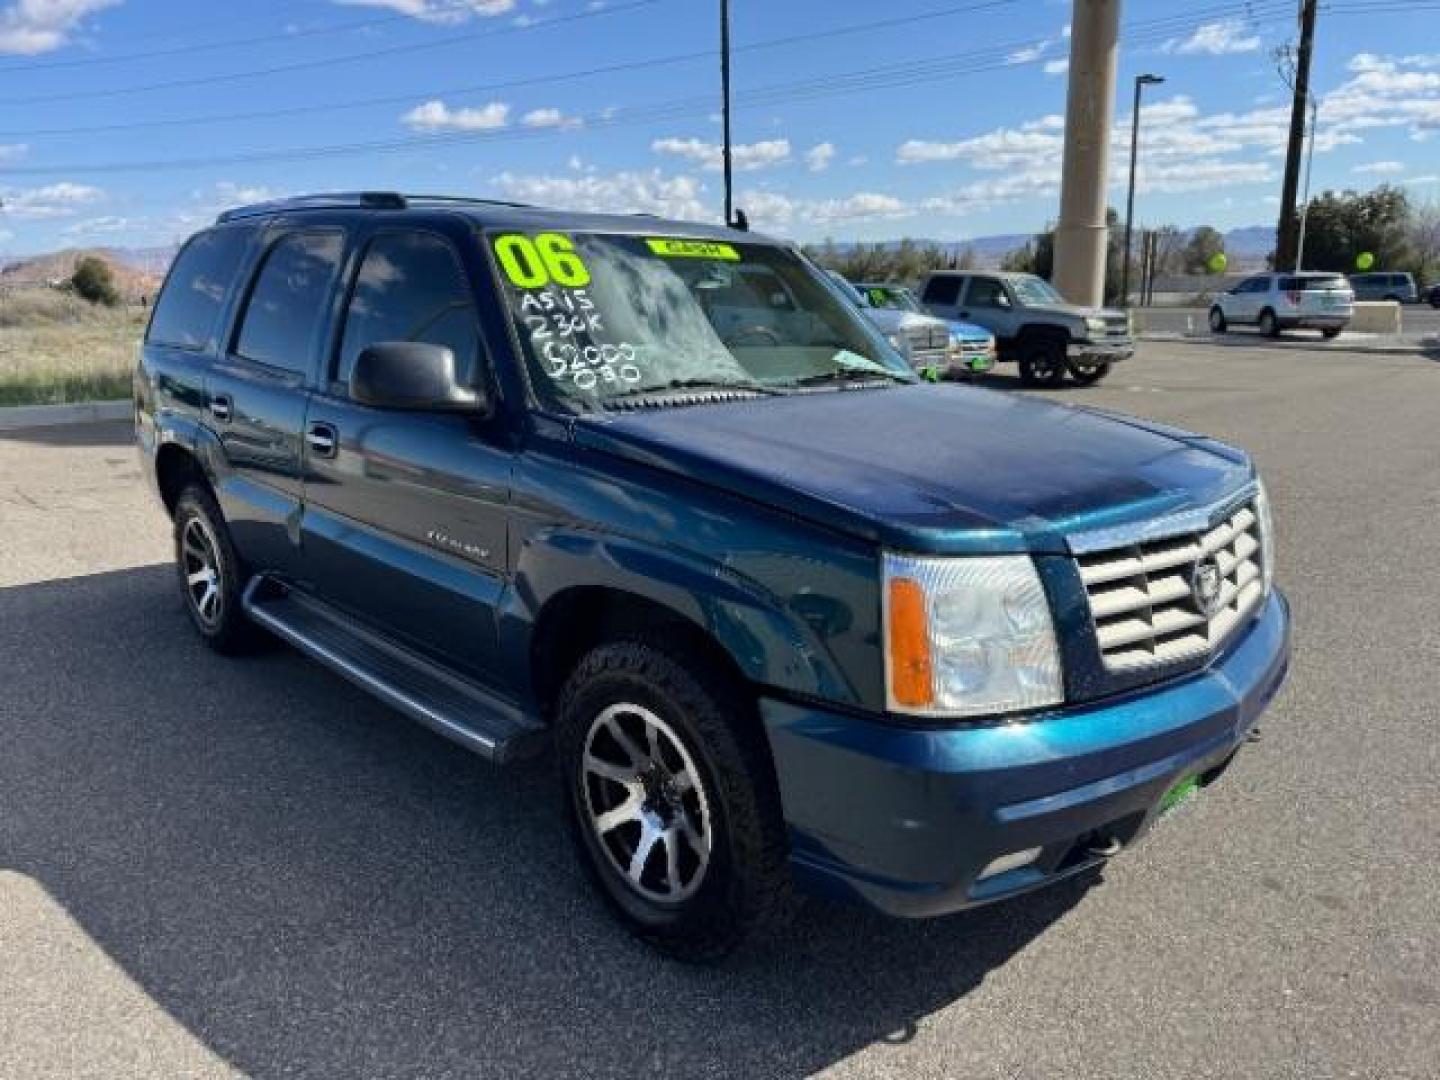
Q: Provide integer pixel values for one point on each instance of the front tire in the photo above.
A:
(1088, 374)
(1331, 333)
(672, 800)
(1042, 363)
(1218, 325)
(211, 574)
(1269, 325)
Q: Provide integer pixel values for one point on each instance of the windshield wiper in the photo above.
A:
(694, 384)
(858, 376)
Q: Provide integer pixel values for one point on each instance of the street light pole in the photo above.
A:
(725, 108)
(1309, 164)
(1141, 81)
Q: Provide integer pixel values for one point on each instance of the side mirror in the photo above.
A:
(1003, 302)
(412, 375)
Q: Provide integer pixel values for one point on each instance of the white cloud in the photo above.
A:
(1028, 54)
(13, 151)
(621, 193)
(550, 118)
(864, 204)
(818, 157)
(98, 226)
(46, 203)
(1216, 39)
(1002, 148)
(1380, 168)
(437, 116)
(1057, 67)
(28, 27)
(745, 156)
(439, 11)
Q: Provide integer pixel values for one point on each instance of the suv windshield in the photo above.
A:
(605, 316)
(890, 296)
(1035, 290)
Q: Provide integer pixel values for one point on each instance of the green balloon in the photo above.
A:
(1365, 260)
(1218, 263)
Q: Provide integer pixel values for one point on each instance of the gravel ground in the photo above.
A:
(213, 867)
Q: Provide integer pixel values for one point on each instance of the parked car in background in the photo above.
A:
(654, 498)
(1433, 296)
(1276, 302)
(972, 347)
(1033, 324)
(923, 340)
(1400, 288)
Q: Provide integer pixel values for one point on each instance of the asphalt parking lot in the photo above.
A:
(213, 867)
(1417, 322)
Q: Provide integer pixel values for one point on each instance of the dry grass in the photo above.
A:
(56, 348)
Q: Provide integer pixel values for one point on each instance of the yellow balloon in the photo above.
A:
(1218, 263)
(1365, 260)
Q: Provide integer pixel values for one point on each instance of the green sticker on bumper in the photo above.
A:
(1179, 793)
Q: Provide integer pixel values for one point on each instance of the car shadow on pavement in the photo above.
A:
(310, 884)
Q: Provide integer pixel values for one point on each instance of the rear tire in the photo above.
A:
(1269, 325)
(659, 755)
(1088, 374)
(1331, 334)
(1042, 363)
(1218, 325)
(211, 574)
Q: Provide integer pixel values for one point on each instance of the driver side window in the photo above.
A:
(986, 293)
(411, 288)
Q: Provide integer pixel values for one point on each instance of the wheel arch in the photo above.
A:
(177, 466)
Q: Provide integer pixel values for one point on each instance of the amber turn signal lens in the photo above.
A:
(911, 681)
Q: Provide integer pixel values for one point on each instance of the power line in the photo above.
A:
(309, 65)
(225, 43)
(889, 76)
(1168, 24)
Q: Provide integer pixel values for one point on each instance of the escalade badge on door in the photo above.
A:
(1207, 585)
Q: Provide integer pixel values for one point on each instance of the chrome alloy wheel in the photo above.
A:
(200, 566)
(643, 798)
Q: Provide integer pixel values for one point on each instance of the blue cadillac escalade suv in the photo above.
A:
(653, 494)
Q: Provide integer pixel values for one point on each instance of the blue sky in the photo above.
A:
(133, 121)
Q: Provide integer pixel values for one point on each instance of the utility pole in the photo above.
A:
(725, 109)
(1082, 234)
(1285, 239)
(1141, 81)
(1309, 165)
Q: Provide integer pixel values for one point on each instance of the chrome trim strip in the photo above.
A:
(1197, 520)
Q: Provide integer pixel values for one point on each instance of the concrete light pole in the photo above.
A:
(1141, 81)
(1080, 238)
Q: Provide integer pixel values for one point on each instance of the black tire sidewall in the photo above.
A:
(1089, 376)
(1218, 325)
(1273, 330)
(1049, 353)
(233, 631)
(732, 900)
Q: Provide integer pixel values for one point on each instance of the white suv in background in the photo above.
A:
(1276, 302)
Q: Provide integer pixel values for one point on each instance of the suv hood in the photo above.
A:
(1076, 311)
(891, 319)
(931, 468)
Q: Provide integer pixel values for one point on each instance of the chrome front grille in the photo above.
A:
(928, 339)
(1148, 600)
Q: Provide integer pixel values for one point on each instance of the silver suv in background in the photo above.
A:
(923, 341)
(1276, 302)
(1400, 288)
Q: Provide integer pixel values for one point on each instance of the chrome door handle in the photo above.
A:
(321, 439)
(220, 407)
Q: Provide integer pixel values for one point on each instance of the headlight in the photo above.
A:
(900, 343)
(1095, 324)
(968, 636)
(1267, 538)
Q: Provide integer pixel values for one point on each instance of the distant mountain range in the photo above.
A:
(1247, 248)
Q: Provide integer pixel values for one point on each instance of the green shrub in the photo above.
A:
(94, 282)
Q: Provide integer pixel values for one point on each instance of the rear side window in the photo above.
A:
(985, 293)
(288, 301)
(411, 288)
(942, 290)
(1311, 282)
(189, 306)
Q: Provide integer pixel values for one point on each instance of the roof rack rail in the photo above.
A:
(462, 199)
(340, 200)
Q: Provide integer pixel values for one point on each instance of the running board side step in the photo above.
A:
(449, 704)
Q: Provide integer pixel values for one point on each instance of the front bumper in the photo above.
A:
(1096, 352)
(905, 819)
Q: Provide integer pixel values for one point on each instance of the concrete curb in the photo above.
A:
(1370, 344)
(16, 417)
